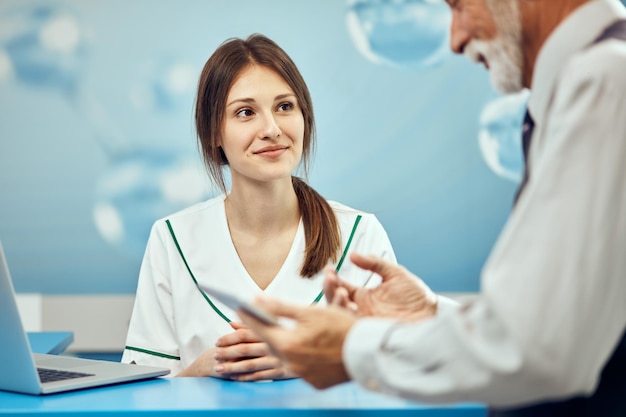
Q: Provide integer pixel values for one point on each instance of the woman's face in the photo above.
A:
(263, 127)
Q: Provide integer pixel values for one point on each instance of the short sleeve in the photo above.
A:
(151, 338)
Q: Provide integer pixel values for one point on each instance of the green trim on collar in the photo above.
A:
(343, 255)
(153, 353)
(345, 251)
(206, 297)
(214, 307)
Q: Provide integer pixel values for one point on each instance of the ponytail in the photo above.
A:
(321, 229)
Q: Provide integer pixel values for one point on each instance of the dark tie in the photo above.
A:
(527, 133)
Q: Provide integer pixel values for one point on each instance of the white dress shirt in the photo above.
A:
(553, 301)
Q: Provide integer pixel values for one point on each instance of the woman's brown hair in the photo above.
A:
(321, 230)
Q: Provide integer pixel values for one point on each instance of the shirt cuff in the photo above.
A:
(362, 343)
(445, 305)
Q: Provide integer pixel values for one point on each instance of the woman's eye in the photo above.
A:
(244, 113)
(285, 106)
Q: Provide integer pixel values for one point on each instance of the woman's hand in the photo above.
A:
(204, 365)
(312, 345)
(242, 356)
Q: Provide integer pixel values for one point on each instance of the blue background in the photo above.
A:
(397, 141)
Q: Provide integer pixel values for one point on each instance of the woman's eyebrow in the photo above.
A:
(243, 100)
(282, 96)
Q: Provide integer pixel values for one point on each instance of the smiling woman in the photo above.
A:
(271, 232)
(263, 123)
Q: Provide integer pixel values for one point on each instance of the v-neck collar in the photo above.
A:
(286, 271)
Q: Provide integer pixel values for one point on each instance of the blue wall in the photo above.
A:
(399, 141)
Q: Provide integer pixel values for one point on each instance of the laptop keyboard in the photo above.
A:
(51, 375)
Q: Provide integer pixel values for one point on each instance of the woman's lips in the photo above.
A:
(271, 151)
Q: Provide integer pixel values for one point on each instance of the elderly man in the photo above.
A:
(545, 336)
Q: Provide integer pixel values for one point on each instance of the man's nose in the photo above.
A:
(459, 36)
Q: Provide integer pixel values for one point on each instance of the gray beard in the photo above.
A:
(504, 53)
(504, 69)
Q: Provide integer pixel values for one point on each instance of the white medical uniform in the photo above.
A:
(173, 322)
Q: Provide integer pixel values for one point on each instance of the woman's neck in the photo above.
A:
(263, 220)
(265, 208)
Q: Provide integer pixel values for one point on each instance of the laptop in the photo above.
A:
(33, 373)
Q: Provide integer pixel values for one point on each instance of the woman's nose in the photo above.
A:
(270, 130)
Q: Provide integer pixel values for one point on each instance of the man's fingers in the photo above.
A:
(331, 283)
(277, 307)
(340, 299)
(273, 306)
(334, 285)
(375, 264)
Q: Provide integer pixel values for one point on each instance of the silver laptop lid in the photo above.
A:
(19, 365)
(18, 368)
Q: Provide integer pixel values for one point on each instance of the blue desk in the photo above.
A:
(216, 398)
(50, 342)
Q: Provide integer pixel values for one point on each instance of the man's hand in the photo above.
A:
(400, 296)
(312, 347)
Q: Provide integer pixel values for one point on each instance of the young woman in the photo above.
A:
(271, 232)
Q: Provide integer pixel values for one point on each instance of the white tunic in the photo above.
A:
(173, 322)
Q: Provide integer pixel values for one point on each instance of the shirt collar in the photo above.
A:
(577, 31)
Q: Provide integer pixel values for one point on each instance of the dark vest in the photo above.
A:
(609, 399)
